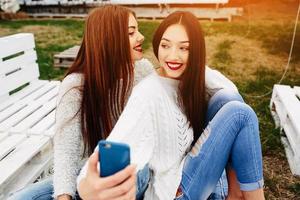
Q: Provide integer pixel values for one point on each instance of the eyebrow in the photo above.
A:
(132, 27)
(179, 41)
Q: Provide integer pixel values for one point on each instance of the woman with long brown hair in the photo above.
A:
(91, 97)
(165, 115)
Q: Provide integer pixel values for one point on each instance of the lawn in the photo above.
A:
(253, 55)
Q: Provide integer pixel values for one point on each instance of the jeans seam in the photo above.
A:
(246, 119)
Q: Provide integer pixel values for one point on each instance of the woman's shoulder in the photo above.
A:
(149, 86)
(71, 86)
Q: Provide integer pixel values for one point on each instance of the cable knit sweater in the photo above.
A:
(68, 144)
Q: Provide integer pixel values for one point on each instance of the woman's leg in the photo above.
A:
(143, 177)
(232, 135)
(216, 102)
(42, 190)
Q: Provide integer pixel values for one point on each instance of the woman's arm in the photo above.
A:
(135, 128)
(67, 138)
(214, 81)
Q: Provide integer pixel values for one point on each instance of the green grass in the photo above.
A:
(275, 37)
(222, 59)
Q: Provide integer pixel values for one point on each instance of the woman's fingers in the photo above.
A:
(92, 164)
(119, 177)
(121, 190)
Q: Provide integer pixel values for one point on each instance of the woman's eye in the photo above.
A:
(164, 46)
(184, 48)
(131, 33)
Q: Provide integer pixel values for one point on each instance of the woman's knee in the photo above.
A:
(226, 95)
(241, 111)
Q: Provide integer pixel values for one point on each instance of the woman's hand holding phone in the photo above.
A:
(119, 186)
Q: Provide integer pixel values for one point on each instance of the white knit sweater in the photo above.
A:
(68, 144)
(158, 133)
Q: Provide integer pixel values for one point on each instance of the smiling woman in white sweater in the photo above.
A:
(165, 116)
(70, 142)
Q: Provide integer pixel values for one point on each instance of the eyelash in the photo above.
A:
(165, 46)
(131, 33)
(184, 48)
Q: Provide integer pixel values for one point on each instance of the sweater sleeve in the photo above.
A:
(67, 138)
(215, 81)
(135, 128)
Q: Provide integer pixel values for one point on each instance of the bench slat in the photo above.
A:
(291, 104)
(28, 57)
(3, 136)
(20, 156)
(34, 118)
(297, 91)
(27, 110)
(19, 78)
(41, 94)
(28, 90)
(16, 43)
(285, 106)
(45, 124)
(9, 144)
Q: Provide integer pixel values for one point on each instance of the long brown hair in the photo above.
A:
(192, 81)
(104, 60)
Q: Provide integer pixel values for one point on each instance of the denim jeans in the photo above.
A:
(231, 137)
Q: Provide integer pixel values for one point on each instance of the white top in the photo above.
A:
(157, 132)
(68, 143)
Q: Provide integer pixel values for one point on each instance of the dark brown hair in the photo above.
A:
(192, 81)
(104, 60)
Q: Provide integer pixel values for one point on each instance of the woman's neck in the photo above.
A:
(162, 73)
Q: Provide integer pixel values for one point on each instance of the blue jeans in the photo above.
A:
(231, 138)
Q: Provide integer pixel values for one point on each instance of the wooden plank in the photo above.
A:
(3, 136)
(292, 136)
(29, 173)
(294, 161)
(21, 155)
(291, 104)
(19, 78)
(66, 58)
(33, 119)
(18, 96)
(50, 132)
(286, 106)
(10, 65)
(9, 144)
(16, 43)
(297, 91)
(42, 92)
(43, 125)
(26, 111)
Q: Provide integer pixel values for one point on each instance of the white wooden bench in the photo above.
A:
(285, 108)
(27, 116)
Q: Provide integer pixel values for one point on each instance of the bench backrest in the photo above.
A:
(18, 64)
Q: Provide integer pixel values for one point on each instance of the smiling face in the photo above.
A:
(173, 51)
(135, 39)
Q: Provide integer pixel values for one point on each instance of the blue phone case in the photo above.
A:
(113, 157)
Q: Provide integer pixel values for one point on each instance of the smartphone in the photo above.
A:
(113, 157)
